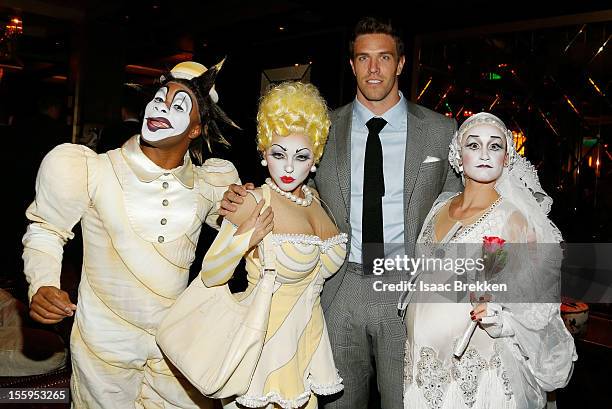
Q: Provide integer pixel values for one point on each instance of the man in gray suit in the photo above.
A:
(379, 178)
(366, 332)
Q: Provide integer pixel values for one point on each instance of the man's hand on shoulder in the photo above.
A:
(261, 222)
(234, 195)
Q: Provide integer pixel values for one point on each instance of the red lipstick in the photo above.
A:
(287, 179)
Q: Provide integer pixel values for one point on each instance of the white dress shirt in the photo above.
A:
(393, 141)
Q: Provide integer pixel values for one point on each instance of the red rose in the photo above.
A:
(492, 243)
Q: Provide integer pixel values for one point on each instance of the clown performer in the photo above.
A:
(296, 361)
(141, 209)
(516, 346)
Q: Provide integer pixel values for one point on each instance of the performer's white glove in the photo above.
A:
(496, 321)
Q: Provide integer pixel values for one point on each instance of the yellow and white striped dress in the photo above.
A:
(296, 361)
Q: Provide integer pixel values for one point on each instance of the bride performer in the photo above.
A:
(512, 352)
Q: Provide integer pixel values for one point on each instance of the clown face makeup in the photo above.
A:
(483, 153)
(168, 114)
(289, 160)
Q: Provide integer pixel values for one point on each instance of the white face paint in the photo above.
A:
(289, 160)
(483, 153)
(164, 119)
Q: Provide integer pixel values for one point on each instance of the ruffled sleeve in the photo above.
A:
(65, 186)
(216, 175)
(516, 229)
(530, 318)
(540, 336)
(545, 343)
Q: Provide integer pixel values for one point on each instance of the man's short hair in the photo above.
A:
(373, 25)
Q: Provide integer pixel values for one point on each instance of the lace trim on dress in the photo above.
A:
(427, 235)
(496, 363)
(310, 239)
(273, 397)
(433, 379)
(407, 366)
(467, 373)
(464, 231)
(328, 389)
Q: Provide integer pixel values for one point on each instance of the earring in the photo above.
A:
(313, 169)
(264, 162)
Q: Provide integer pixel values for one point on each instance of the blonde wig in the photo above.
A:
(293, 107)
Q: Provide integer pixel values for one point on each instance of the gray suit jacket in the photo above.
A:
(429, 134)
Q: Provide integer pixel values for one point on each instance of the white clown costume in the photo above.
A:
(140, 225)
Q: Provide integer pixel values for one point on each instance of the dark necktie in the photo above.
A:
(372, 238)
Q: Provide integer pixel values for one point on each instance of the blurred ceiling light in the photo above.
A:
(142, 70)
(14, 27)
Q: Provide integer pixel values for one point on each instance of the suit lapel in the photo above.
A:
(343, 149)
(415, 154)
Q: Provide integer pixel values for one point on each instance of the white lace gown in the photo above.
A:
(505, 372)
